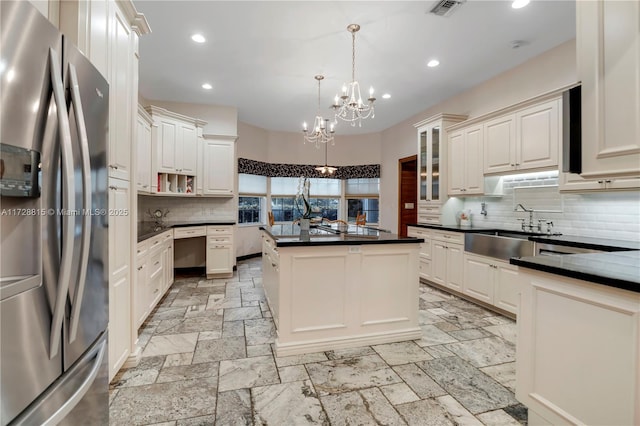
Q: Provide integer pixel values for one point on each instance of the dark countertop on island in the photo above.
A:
(148, 230)
(615, 269)
(289, 235)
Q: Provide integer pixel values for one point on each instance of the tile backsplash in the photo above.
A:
(614, 215)
(188, 208)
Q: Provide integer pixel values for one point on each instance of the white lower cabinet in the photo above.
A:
(141, 309)
(120, 276)
(577, 351)
(220, 253)
(447, 250)
(154, 274)
(270, 274)
(491, 281)
(424, 261)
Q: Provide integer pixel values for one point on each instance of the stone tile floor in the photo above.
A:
(208, 360)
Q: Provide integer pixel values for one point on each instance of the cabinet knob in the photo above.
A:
(113, 166)
(140, 268)
(601, 181)
(607, 181)
(113, 187)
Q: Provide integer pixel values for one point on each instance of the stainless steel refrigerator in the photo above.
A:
(53, 227)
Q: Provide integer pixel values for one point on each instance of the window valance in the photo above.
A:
(295, 170)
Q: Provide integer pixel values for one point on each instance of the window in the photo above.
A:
(324, 198)
(363, 205)
(362, 197)
(251, 200)
(250, 209)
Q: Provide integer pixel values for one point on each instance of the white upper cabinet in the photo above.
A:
(143, 150)
(524, 140)
(500, 144)
(186, 157)
(120, 99)
(166, 144)
(218, 166)
(608, 53)
(538, 136)
(174, 152)
(466, 175)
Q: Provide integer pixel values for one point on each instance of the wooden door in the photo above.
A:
(407, 194)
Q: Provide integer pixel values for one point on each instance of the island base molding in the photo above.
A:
(321, 345)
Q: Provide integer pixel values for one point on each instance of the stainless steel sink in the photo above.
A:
(499, 244)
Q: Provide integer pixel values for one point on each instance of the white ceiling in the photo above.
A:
(261, 56)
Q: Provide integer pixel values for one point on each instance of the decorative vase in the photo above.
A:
(304, 224)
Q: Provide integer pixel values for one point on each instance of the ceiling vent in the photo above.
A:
(446, 7)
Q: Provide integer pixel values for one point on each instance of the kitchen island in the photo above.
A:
(332, 288)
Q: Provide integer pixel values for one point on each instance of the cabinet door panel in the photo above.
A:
(479, 278)
(219, 259)
(189, 150)
(608, 44)
(499, 144)
(439, 263)
(456, 163)
(455, 267)
(141, 306)
(120, 104)
(167, 131)
(474, 161)
(507, 288)
(538, 136)
(218, 168)
(143, 149)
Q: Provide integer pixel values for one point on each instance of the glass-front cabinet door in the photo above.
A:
(422, 177)
(429, 167)
(434, 136)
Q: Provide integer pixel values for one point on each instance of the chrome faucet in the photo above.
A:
(530, 211)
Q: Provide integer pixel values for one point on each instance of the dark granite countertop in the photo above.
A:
(602, 244)
(615, 269)
(289, 235)
(471, 229)
(148, 230)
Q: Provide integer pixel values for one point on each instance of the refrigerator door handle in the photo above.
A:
(68, 205)
(81, 391)
(86, 201)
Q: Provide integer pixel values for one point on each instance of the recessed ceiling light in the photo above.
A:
(433, 63)
(207, 86)
(519, 4)
(198, 38)
(386, 96)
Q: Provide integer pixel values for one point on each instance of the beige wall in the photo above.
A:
(253, 142)
(289, 148)
(549, 71)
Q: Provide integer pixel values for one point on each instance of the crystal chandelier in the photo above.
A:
(322, 131)
(326, 169)
(349, 106)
